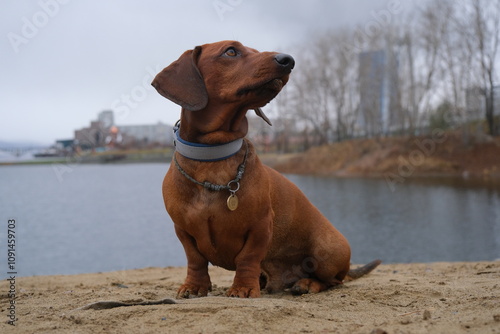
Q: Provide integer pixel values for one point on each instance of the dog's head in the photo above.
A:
(224, 76)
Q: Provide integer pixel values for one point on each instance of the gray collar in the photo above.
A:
(204, 152)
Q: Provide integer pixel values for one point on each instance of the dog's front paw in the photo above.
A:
(244, 292)
(192, 290)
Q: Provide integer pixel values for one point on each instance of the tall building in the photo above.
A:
(379, 104)
(475, 101)
(496, 103)
(106, 118)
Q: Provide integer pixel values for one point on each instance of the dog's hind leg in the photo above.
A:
(280, 276)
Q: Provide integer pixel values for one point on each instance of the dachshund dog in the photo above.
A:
(227, 207)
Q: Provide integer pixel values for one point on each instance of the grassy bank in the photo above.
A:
(398, 157)
(115, 156)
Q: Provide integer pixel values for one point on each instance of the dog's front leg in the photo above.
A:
(246, 281)
(197, 281)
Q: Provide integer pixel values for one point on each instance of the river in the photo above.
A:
(72, 219)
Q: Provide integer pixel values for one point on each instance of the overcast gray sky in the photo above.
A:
(64, 61)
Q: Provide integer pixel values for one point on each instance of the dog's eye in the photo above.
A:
(231, 52)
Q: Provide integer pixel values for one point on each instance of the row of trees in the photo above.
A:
(442, 56)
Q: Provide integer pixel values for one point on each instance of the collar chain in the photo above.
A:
(218, 187)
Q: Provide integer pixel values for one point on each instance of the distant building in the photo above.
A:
(496, 93)
(152, 133)
(379, 102)
(475, 101)
(92, 136)
(102, 132)
(65, 143)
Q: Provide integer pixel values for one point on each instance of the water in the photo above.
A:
(420, 221)
(93, 218)
(87, 218)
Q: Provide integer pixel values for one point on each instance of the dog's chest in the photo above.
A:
(219, 233)
(218, 238)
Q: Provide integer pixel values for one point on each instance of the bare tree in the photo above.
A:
(434, 54)
(327, 90)
(457, 65)
(455, 53)
(485, 20)
(337, 77)
(284, 126)
(309, 86)
(343, 84)
(421, 51)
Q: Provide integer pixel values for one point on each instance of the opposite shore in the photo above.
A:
(392, 158)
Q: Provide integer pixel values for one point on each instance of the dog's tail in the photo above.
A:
(362, 271)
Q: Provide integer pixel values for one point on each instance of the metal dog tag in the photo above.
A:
(232, 202)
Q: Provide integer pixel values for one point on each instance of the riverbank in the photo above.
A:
(162, 155)
(398, 158)
(395, 298)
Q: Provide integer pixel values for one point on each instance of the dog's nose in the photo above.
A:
(285, 60)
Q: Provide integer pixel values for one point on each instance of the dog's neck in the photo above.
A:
(213, 126)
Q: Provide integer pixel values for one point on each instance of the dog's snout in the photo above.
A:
(285, 60)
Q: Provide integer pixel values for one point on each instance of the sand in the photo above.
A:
(395, 298)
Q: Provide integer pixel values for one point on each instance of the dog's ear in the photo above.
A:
(182, 83)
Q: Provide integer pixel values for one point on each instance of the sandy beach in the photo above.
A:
(395, 298)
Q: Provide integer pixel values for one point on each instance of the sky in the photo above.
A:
(64, 61)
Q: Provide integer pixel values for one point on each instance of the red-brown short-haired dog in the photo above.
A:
(228, 208)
